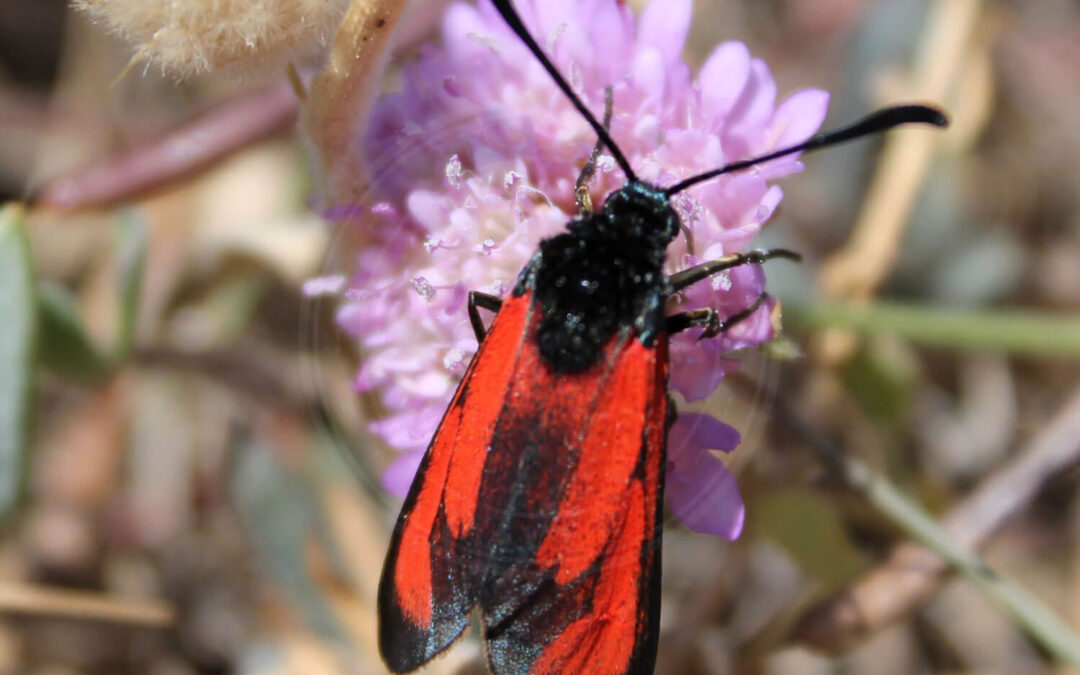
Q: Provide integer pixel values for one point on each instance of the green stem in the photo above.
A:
(1014, 331)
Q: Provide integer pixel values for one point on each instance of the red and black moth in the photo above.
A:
(539, 501)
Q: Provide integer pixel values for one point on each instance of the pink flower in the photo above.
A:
(474, 161)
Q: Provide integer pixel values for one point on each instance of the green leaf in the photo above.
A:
(131, 242)
(805, 525)
(66, 349)
(883, 377)
(18, 342)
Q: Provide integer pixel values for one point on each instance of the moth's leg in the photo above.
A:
(689, 235)
(581, 189)
(688, 277)
(477, 299)
(709, 318)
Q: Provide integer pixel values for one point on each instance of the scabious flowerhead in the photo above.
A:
(474, 160)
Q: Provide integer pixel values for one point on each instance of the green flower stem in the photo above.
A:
(1013, 331)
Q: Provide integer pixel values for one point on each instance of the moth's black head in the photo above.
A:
(637, 213)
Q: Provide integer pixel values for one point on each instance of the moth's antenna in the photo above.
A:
(506, 9)
(875, 123)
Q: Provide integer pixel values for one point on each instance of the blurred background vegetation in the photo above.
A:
(186, 484)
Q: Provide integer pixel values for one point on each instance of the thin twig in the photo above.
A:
(195, 145)
(43, 600)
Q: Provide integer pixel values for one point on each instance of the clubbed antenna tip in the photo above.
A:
(875, 123)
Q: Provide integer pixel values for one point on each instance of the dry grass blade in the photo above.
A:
(43, 600)
(856, 271)
(246, 371)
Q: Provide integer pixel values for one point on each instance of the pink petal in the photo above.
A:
(399, 475)
(800, 116)
(734, 198)
(695, 432)
(461, 25)
(756, 329)
(723, 77)
(614, 41)
(649, 73)
(663, 25)
(431, 384)
(427, 209)
(552, 16)
(699, 489)
(768, 204)
(696, 371)
(751, 113)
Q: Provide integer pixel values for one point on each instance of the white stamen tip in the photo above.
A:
(424, 288)
(453, 171)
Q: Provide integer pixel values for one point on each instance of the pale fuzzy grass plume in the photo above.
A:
(190, 37)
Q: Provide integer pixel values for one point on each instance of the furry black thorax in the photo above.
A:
(602, 276)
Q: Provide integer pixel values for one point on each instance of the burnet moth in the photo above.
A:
(539, 500)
